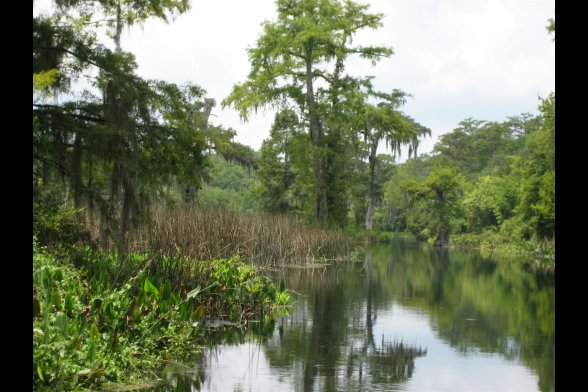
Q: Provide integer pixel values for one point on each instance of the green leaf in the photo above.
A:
(94, 334)
(167, 291)
(40, 373)
(148, 287)
(198, 312)
(194, 293)
(44, 79)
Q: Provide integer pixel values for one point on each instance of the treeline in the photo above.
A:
(128, 144)
(484, 181)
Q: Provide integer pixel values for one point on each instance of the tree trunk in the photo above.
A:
(443, 232)
(316, 136)
(371, 191)
(90, 190)
(119, 25)
(76, 170)
(370, 214)
(209, 103)
(116, 114)
(127, 207)
(190, 190)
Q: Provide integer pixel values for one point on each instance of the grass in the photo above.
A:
(539, 254)
(261, 239)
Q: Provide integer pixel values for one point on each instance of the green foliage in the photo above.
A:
(96, 321)
(536, 253)
(490, 202)
(55, 224)
(44, 79)
(110, 148)
(238, 292)
(306, 32)
(285, 176)
(395, 199)
(535, 170)
(551, 27)
(88, 329)
(493, 181)
(308, 44)
(476, 144)
(384, 122)
(228, 186)
(437, 200)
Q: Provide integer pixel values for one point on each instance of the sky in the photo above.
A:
(485, 59)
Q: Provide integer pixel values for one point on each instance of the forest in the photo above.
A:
(150, 219)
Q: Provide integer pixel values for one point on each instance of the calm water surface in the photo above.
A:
(407, 318)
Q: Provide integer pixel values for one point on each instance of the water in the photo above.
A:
(407, 318)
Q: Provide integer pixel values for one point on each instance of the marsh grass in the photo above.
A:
(259, 238)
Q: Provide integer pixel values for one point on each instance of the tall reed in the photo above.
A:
(260, 238)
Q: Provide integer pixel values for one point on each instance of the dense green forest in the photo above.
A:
(144, 209)
(484, 181)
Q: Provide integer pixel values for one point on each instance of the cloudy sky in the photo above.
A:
(486, 59)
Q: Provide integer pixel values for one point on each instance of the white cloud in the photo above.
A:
(459, 59)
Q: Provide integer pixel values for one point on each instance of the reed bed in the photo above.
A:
(262, 239)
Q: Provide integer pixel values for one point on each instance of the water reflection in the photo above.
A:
(409, 317)
(478, 305)
(328, 341)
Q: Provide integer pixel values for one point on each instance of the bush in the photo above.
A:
(516, 228)
(56, 224)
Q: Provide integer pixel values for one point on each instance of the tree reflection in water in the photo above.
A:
(328, 342)
(332, 340)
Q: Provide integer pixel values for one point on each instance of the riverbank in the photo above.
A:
(537, 254)
(361, 236)
(96, 321)
(99, 318)
(260, 238)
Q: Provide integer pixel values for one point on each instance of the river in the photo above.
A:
(407, 317)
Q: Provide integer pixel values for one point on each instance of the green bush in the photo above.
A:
(238, 292)
(54, 223)
(516, 228)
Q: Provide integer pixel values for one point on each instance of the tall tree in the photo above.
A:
(308, 38)
(277, 165)
(120, 101)
(114, 148)
(536, 173)
(440, 193)
(384, 122)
